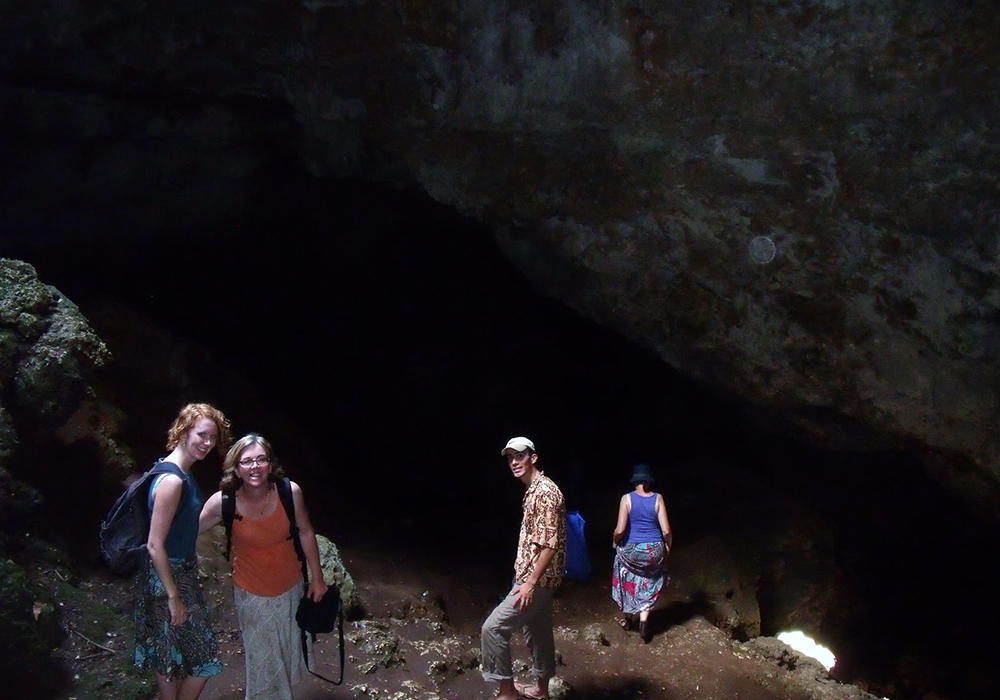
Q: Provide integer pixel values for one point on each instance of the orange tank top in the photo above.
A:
(264, 561)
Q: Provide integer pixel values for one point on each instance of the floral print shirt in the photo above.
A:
(543, 525)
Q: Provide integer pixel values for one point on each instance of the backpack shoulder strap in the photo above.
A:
(160, 468)
(228, 515)
(284, 487)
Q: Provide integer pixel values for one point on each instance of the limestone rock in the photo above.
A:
(335, 571)
(793, 203)
(379, 645)
(50, 353)
(425, 607)
(559, 688)
(594, 634)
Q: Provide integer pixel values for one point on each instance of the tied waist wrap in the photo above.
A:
(645, 559)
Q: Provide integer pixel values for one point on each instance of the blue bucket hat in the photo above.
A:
(641, 473)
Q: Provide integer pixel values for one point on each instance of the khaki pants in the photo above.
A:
(536, 620)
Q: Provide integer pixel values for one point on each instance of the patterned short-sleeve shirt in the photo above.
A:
(543, 525)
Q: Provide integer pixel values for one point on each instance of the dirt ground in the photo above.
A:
(420, 639)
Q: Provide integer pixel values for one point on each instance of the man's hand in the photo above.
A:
(523, 595)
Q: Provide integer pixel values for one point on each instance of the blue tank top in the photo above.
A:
(643, 526)
(183, 535)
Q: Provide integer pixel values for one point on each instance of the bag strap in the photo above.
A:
(284, 488)
(228, 515)
(161, 468)
(305, 649)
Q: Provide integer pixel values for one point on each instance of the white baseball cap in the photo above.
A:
(518, 444)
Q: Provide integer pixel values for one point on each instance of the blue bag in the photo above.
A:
(577, 559)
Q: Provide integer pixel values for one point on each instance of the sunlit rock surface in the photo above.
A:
(794, 202)
(48, 368)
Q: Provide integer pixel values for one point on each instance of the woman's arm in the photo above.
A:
(166, 499)
(661, 516)
(623, 507)
(307, 536)
(211, 513)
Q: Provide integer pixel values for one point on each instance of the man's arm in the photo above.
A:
(526, 591)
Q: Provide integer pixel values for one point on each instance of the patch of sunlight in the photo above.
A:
(804, 645)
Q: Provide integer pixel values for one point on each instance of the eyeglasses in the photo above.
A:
(262, 460)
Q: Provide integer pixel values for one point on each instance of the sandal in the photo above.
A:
(644, 631)
(528, 690)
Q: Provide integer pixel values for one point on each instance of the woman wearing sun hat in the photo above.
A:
(640, 560)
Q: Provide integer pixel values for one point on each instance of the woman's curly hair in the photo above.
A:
(189, 417)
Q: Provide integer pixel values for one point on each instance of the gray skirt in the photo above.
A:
(272, 643)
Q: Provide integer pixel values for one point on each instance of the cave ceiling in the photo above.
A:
(794, 202)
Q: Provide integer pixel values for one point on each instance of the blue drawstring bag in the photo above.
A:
(577, 559)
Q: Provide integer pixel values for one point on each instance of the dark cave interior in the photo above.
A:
(400, 341)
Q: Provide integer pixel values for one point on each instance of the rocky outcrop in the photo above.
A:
(793, 202)
(335, 572)
(48, 410)
(48, 366)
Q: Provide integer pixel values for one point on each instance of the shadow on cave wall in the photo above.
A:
(406, 349)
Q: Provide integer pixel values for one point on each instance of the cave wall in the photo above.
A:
(792, 201)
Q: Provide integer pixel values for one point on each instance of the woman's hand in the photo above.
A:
(178, 611)
(317, 589)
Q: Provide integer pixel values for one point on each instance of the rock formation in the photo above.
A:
(794, 202)
(48, 407)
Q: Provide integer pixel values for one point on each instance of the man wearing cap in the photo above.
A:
(538, 571)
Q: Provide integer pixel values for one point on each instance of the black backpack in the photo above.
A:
(332, 607)
(125, 528)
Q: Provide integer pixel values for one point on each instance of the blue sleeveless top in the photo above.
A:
(183, 533)
(643, 525)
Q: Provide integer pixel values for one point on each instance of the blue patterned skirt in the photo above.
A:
(638, 575)
(173, 651)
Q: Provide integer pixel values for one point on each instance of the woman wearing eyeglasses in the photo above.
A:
(267, 574)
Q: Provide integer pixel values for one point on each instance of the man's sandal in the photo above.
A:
(528, 690)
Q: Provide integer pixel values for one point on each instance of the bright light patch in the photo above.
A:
(804, 645)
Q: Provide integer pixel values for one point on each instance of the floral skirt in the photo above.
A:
(173, 651)
(638, 576)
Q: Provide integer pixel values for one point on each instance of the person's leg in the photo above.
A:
(191, 688)
(644, 630)
(168, 690)
(495, 640)
(538, 634)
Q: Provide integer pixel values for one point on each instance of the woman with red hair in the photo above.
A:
(173, 634)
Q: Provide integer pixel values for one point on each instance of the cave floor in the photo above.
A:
(420, 637)
(406, 596)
